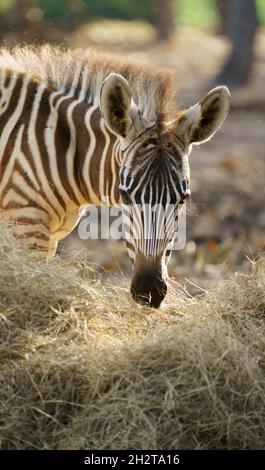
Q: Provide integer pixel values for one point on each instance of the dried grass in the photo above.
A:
(83, 367)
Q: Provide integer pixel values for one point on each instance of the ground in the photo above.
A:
(82, 366)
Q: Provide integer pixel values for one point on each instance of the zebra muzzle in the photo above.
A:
(148, 287)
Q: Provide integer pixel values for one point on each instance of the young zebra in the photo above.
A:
(79, 125)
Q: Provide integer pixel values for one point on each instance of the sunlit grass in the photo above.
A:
(116, 31)
(84, 367)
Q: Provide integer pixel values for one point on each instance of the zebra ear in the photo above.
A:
(200, 122)
(115, 103)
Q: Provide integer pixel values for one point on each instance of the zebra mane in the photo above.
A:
(81, 72)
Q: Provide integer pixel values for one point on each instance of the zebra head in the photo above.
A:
(155, 176)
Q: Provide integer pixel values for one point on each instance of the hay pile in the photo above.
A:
(83, 366)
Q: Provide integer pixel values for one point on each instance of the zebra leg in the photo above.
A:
(34, 236)
(52, 248)
(31, 228)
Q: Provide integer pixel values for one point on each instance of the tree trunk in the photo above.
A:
(78, 13)
(164, 18)
(222, 7)
(242, 22)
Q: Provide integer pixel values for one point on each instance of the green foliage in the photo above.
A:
(261, 11)
(5, 4)
(203, 13)
(199, 13)
(125, 9)
(54, 9)
(189, 12)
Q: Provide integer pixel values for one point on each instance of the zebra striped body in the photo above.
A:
(49, 165)
(77, 127)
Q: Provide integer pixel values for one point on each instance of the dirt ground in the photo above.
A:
(226, 224)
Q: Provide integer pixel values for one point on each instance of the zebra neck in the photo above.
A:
(99, 160)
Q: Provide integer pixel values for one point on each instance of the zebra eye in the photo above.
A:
(125, 197)
(145, 144)
(169, 146)
(149, 143)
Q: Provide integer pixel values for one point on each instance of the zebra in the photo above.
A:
(76, 125)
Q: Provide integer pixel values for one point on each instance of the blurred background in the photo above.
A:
(207, 42)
